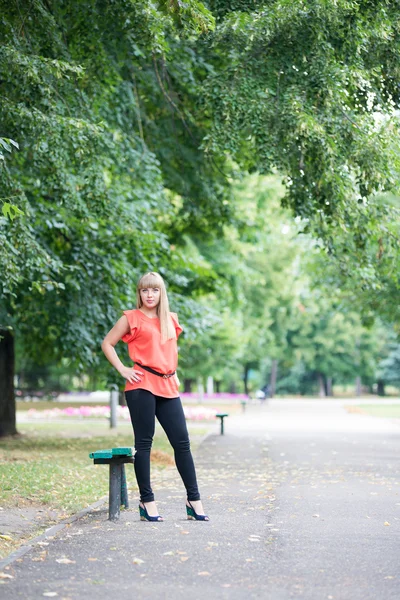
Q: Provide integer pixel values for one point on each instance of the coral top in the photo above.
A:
(144, 347)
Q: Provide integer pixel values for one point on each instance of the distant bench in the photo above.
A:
(118, 492)
(222, 416)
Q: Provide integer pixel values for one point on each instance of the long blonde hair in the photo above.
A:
(154, 280)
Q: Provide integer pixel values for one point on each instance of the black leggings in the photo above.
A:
(144, 407)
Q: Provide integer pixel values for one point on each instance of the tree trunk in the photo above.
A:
(321, 384)
(273, 377)
(187, 386)
(217, 386)
(358, 385)
(7, 396)
(381, 387)
(329, 386)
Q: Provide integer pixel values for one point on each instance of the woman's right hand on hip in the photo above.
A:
(131, 375)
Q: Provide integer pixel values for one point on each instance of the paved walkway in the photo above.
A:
(304, 501)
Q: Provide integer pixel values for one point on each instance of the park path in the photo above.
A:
(304, 504)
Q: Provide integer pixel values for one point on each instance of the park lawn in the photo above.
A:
(50, 464)
(232, 408)
(49, 404)
(391, 411)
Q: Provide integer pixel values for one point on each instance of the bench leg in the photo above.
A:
(114, 500)
(222, 425)
(124, 488)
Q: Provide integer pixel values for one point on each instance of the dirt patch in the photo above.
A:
(19, 524)
(161, 458)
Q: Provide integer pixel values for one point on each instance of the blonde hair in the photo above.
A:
(154, 280)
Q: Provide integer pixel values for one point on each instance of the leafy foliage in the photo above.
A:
(88, 92)
(311, 90)
(128, 123)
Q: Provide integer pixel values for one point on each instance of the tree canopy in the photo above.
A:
(124, 125)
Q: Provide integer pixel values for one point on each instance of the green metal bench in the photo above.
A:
(118, 492)
(222, 417)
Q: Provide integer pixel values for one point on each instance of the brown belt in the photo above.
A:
(150, 370)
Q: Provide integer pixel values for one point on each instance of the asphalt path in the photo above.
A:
(304, 503)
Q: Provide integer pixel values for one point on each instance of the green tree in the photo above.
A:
(312, 90)
(87, 94)
(133, 119)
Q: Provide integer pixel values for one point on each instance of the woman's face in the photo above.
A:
(150, 296)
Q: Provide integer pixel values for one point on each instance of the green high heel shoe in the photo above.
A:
(144, 515)
(192, 514)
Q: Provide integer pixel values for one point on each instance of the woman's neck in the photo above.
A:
(149, 312)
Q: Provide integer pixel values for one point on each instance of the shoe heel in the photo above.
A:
(193, 516)
(190, 514)
(144, 515)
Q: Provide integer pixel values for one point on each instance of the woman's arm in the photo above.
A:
(120, 328)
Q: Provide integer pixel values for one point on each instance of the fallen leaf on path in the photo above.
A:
(183, 558)
(184, 532)
(65, 561)
(92, 559)
(315, 515)
(50, 594)
(249, 559)
(203, 573)
(389, 577)
(6, 576)
(169, 553)
(180, 552)
(386, 523)
(7, 538)
(137, 561)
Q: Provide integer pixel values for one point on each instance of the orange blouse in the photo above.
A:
(144, 347)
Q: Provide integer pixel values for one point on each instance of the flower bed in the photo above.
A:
(197, 413)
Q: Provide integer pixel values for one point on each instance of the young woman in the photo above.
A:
(151, 390)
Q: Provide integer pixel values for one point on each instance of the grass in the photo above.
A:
(391, 411)
(233, 408)
(49, 463)
(50, 467)
(46, 404)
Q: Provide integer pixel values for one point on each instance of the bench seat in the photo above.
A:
(118, 491)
